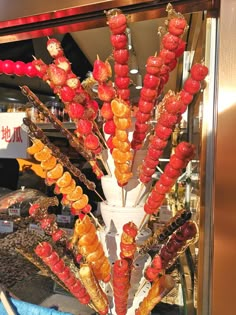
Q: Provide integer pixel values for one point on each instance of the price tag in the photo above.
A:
(63, 218)
(36, 228)
(14, 211)
(165, 214)
(6, 226)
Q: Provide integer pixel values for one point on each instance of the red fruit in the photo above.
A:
(119, 41)
(142, 117)
(141, 127)
(117, 21)
(171, 172)
(109, 127)
(73, 82)
(70, 281)
(176, 162)
(156, 196)
(168, 120)
(157, 263)
(122, 82)
(144, 179)
(75, 110)
(199, 72)
(54, 48)
(121, 70)
(188, 230)
(124, 94)
(106, 92)
(161, 189)
(164, 70)
(184, 150)
(170, 41)
(76, 287)
(139, 136)
(121, 56)
(154, 153)
(58, 235)
(173, 105)
(59, 266)
(1, 63)
(192, 86)
(166, 181)
(153, 203)
(149, 210)
(147, 171)
(171, 248)
(149, 162)
(52, 259)
(56, 75)
(91, 142)
(8, 66)
(145, 107)
(34, 209)
(163, 132)
(176, 26)
(106, 111)
(100, 70)
(91, 109)
(67, 94)
(65, 274)
(157, 143)
(131, 229)
(63, 63)
(186, 97)
(148, 94)
(110, 143)
(43, 250)
(167, 56)
(172, 64)
(84, 126)
(165, 255)
(19, 68)
(153, 65)
(151, 273)
(121, 267)
(87, 208)
(180, 49)
(151, 81)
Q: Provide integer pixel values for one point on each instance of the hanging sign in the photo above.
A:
(13, 139)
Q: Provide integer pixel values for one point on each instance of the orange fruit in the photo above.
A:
(120, 108)
(121, 135)
(68, 189)
(81, 203)
(75, 194)
(82, 226)
(121, 157)
(64, 180)
(122, 167)
(35, 147)
(49, 164)
(122, 178)
(96, 255)
(122, 123)
(56, 172)
(43, 155)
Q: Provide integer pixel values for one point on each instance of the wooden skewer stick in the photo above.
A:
(139, 195)
(100, 135)
(146, 216)
(96, 220)
(132, 165)
(142, 284)
(100, 196)
(123, 197)
(6, 303)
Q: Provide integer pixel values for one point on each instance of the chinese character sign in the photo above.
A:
(13, 139)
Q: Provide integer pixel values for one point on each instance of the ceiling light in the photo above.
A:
(139, 81)
(133, 69)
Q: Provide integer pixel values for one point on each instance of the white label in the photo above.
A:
(14, 211)
(165, 214)
(63, 218)
(36, 228)
(6, 226)
(13, 139)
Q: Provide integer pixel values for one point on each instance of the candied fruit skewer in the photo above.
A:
(63, 159)
(73, 140)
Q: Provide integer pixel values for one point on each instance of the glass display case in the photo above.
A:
(85, 26)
